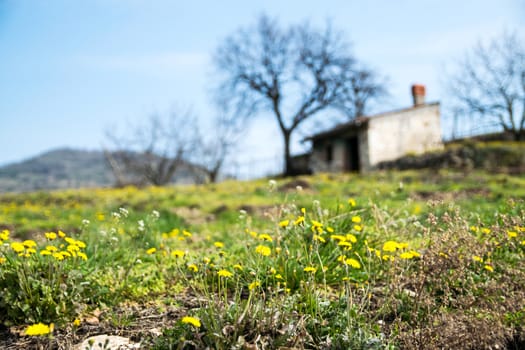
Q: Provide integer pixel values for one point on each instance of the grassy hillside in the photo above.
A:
(394, 260)
(66, 169)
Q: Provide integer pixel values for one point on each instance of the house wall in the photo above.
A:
(394, 135)
(319, 161)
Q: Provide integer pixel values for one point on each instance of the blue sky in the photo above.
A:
(72, 69)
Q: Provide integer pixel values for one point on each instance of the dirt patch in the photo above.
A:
(450, 196)
(140, 323)
(294, 185)
(193, 215)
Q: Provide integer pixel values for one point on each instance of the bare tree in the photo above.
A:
(215, 146)
(293, 72)
(489, 84)
(151, 152)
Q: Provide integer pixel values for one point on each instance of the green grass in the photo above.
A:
(308, 268)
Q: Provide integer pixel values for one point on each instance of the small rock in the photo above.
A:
(107, 342)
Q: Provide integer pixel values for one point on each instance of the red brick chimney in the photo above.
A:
(418, 94)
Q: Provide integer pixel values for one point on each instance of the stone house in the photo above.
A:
(361, 144)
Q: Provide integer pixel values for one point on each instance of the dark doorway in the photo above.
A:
(352, 154)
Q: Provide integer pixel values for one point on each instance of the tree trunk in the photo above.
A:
(288, 165)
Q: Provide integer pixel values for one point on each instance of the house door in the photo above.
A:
(352, 154)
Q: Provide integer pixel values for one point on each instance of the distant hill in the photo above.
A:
(64, 168)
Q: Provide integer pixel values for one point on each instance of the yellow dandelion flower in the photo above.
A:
(390, 246)
(345, 244)
(303, 210)
(186, 233)
(193, 267)
(101, 217)
(61, 234)
(330, 229)
(82, 256)
(341, 258)
(284, 223)
(51, 248)
(265, 237)
(489, 268)
(338, 238)
(38, 329)
(253, 285)
(353, 263)
(263, 250)
(17, 247)
(178, 253)
(224, 273)
(58, 256)
(477, 258)
(356, 219)
(238, 267)
(512, 234)
(218, 244)
(319, 238)
(387, 257)
(151, 251)
(299, 220)
(76, 322)
(195, 322)
(279, 276)
(80, 244)
(352, 202)
(4, 235)
(358, 228)
(474, 228)
(310, 269)
(522, 242)
(70, 240)
(273, 271)
(350, 237)
(485, 230)
(253, 234)
(50, 235)
(30, 251)
(29, 243)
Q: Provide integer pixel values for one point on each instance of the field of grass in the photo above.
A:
(393, 260)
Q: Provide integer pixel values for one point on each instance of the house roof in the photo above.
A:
(360, 122)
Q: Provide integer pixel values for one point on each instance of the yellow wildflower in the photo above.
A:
(265, 237)
(253, 285)
(353, 263)
(238, 267)
(390, 246)
(263, 250)
(512, 234)
(80, 244)
(186, 233)
(76, 322)
(310, 269)
(61, 234)
(330, 229)
(70, 240)
(177, 253)
(338, 238)
(358, 228)
(17, 247)
(356, 219)
(29, 243)
(224, 273)
(489, 268)
(51, 248)
(4, 235)
(82, 255)
(2, 260)
(485, 230)
(284, 223)
(350, 237)
(299, 220)
(50, 235)
(38, 329)
(218, 244)
(352, 202)
(151, 251)
(477, 258)
(195, 322)
(193, 267)
(319, 238)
